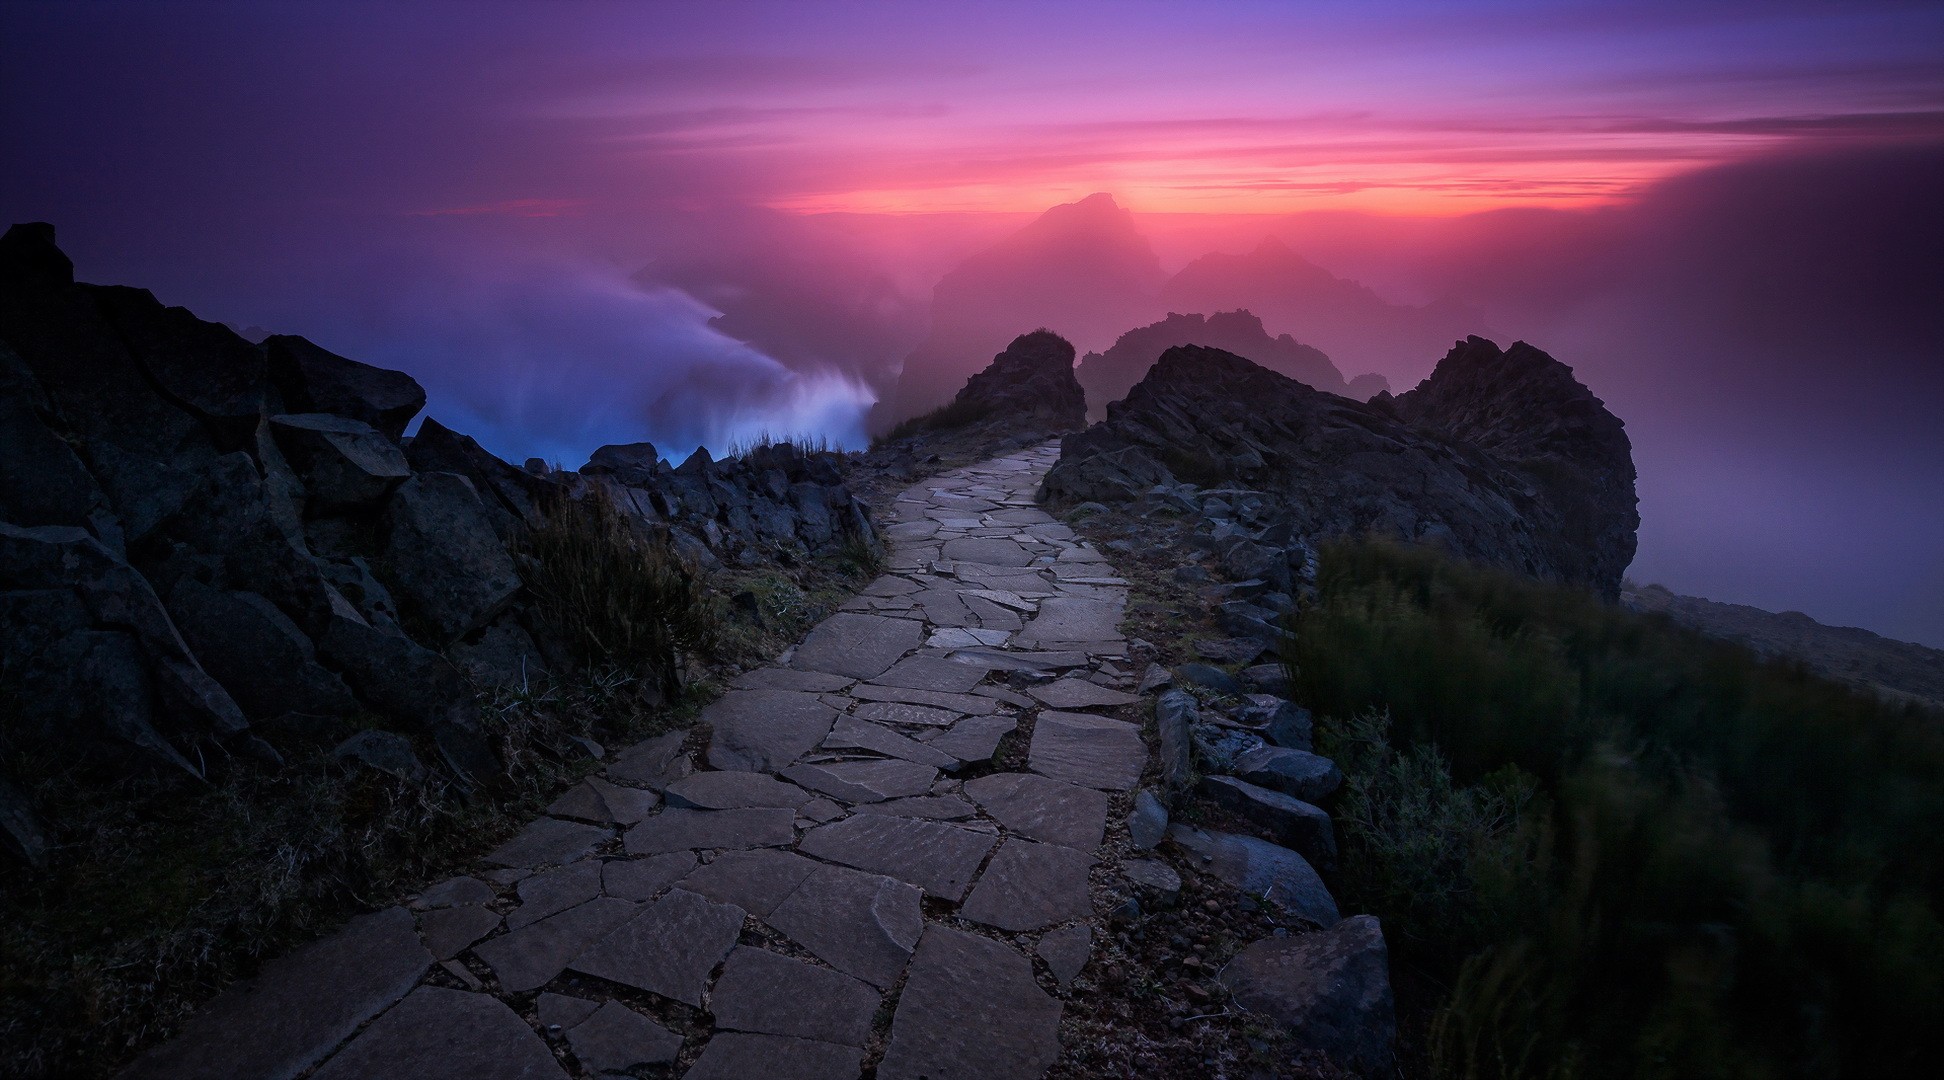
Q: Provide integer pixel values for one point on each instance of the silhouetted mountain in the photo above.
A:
(1081, 269)
(1355, 326)
(1108, 376)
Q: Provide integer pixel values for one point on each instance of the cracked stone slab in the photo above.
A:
(861, 924)
(764, 730)
(1066, 951)
(776, 678)
(756, 881)
(1072, 619)
(298, 1007)
(598, 801)
(669, 948)
(616, 1039)
(855, 645)
(928, 672)
(454, 891)
(641, 879)
(450, 931)
(1092, 751)
(549, 842)
(530, 957)
(851, 733)
(991, 551)
(555, 891)
(561, 1011)
(931, 807)
(677, 828)
(940, 859)
(968, 704)
(970, 1008)
(1079, 694)
(865, 781)
(440, 1034)
(1028, 886)
(733, 790)
(1042, 808)
(975, 738)
(956, 637)
(760, 991)
(655, 763)
(741, 1056)
(894, 712)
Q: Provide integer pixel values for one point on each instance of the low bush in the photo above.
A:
(952, 415)
(1627, 850)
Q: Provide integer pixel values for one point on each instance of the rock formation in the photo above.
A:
(205, 540)
(1499, 457)
(1108, 376)
(1031, 383)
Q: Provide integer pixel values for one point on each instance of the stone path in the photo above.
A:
(841, 882)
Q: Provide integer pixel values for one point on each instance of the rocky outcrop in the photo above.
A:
(1108, 376)
(210, 542)
(1499, 457)
(1031, 384)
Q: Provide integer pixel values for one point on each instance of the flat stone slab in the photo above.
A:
(1092, 751)
(740, 1056)
(852, 733)
(549, 842)
(894, 712)
(554, 891)
(616, 1039)
(655, 762)
(641, 879)
(440, 1034)
(452, 891)
(1258, 867)
(1066, 951)
(940, 859)
(865, 781)
(1066, 619)
(970, 704)
(764, 730)
(990, 550)
(1042, 808)
(602, 803)
(776, 678)
(926, 672)
(956, 637)
(1079, 694)
(756, 881)
(669, 948)
(299, 1007)
(856, 645)
(733, 790)
(559, 1010)
(1028, 886)
(861, 924)
(970, 1008)
(975, 738)
(530, 957)
(763, 992)
(676, 829)
(929, 807)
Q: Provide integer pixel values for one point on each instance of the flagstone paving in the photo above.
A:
(837, 880)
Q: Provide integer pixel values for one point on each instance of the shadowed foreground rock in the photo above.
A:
(1332, 989)
(1501, 457)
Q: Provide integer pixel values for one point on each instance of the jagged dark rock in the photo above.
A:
(1108, 376)
(1331, 988)
(1030, 385)
(198, 532)
(1499, 457)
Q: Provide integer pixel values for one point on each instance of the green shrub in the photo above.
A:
(1627, 849)
(617, 596)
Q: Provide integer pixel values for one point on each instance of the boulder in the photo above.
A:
(257, 653)
(634, 464)
(1030, 382)
(1331, 989)
(445, 562)
(1310, 777)
(1291, 822)
(343, 463)
(313, 379)
(1174, 713)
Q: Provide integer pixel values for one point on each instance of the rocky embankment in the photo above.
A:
(1501, 457)
(205, 542)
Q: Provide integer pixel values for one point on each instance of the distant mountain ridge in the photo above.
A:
(1900, 670)
(1108, 376)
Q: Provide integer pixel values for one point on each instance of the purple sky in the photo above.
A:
(1654, 192)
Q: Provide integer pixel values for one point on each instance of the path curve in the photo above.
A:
(842, 879)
